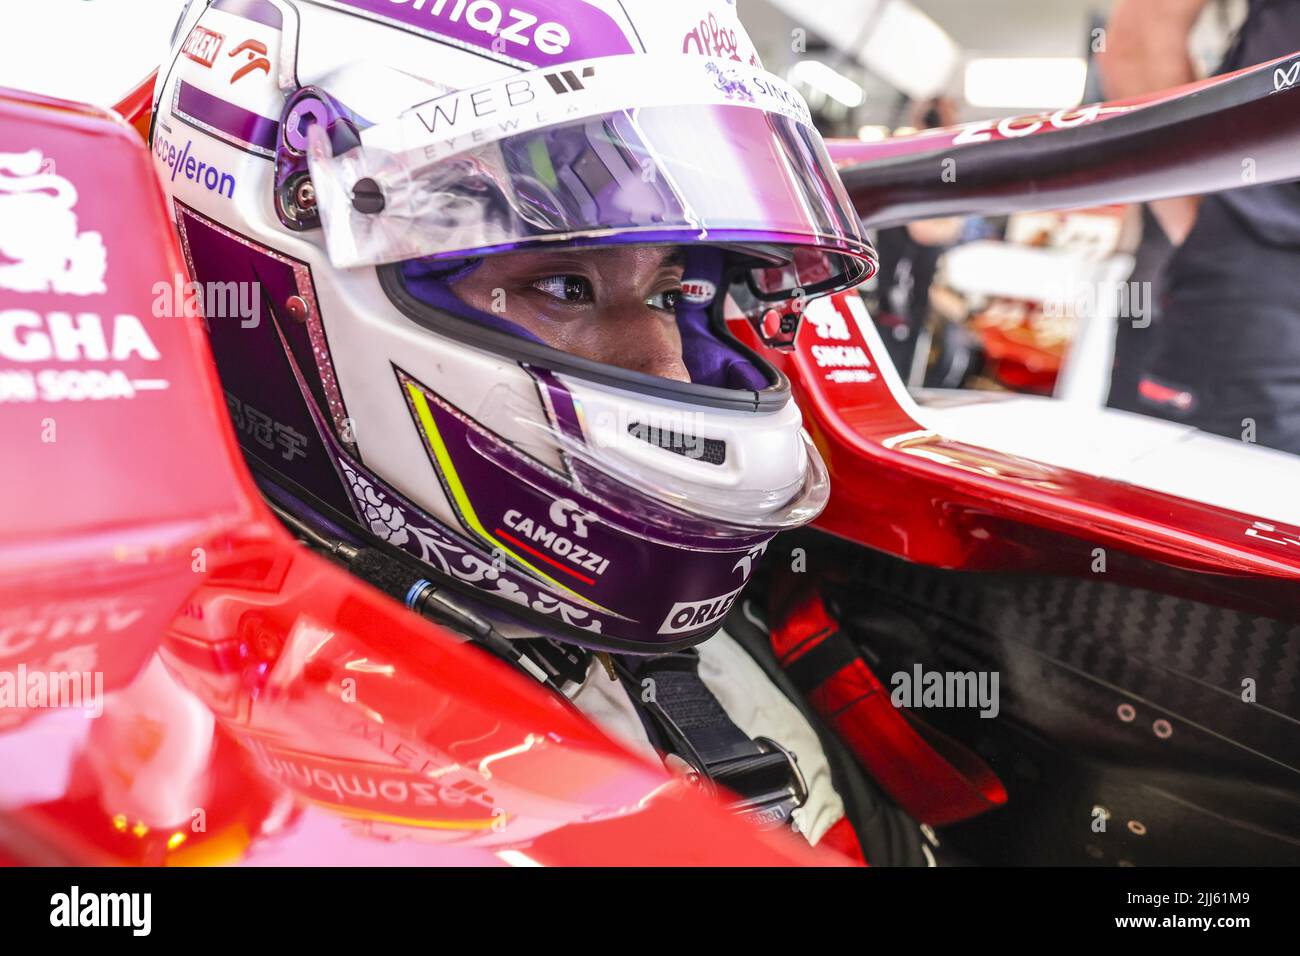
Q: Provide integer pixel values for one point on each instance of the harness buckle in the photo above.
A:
(769, 784)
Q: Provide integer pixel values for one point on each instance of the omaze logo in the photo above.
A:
(1286, 78)
(537, 32)
(512, 25)
(202, 46)
(41, 249)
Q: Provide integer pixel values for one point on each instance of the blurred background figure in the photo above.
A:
(1225, 355)
(909, 259)
(968, 302)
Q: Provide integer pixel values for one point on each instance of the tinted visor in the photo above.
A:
(722, 173)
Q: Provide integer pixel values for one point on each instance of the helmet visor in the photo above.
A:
(732, 160)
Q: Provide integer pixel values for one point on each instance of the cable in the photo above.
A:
(331, 546)
(417, 594)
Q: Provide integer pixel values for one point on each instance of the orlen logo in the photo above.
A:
(693, 615)
(202, 46)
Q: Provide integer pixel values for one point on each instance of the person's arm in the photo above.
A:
(1146, 51)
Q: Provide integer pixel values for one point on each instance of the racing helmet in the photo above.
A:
(336, 167)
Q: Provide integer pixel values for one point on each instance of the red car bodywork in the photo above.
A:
(260, 705)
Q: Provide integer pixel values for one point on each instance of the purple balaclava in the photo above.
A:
(708, 359)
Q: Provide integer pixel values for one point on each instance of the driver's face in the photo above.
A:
(616, 306)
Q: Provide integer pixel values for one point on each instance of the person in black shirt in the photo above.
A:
(1226, 354)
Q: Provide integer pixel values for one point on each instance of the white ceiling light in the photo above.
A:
(831, 82)
(891, 38)
(909, 51)
(1025, 82)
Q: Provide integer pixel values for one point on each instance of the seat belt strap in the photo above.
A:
(684, 718)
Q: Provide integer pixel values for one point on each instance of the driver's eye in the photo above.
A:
(665, 301)
(569, 288)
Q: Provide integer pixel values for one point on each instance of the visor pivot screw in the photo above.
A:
(367, 197)
(305, 195)
(296, 306)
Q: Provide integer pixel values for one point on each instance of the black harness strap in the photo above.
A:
(682, 717)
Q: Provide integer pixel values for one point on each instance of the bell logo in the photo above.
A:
(699, 291)
(40, 246)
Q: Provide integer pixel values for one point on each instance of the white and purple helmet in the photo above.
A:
(351, 159)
